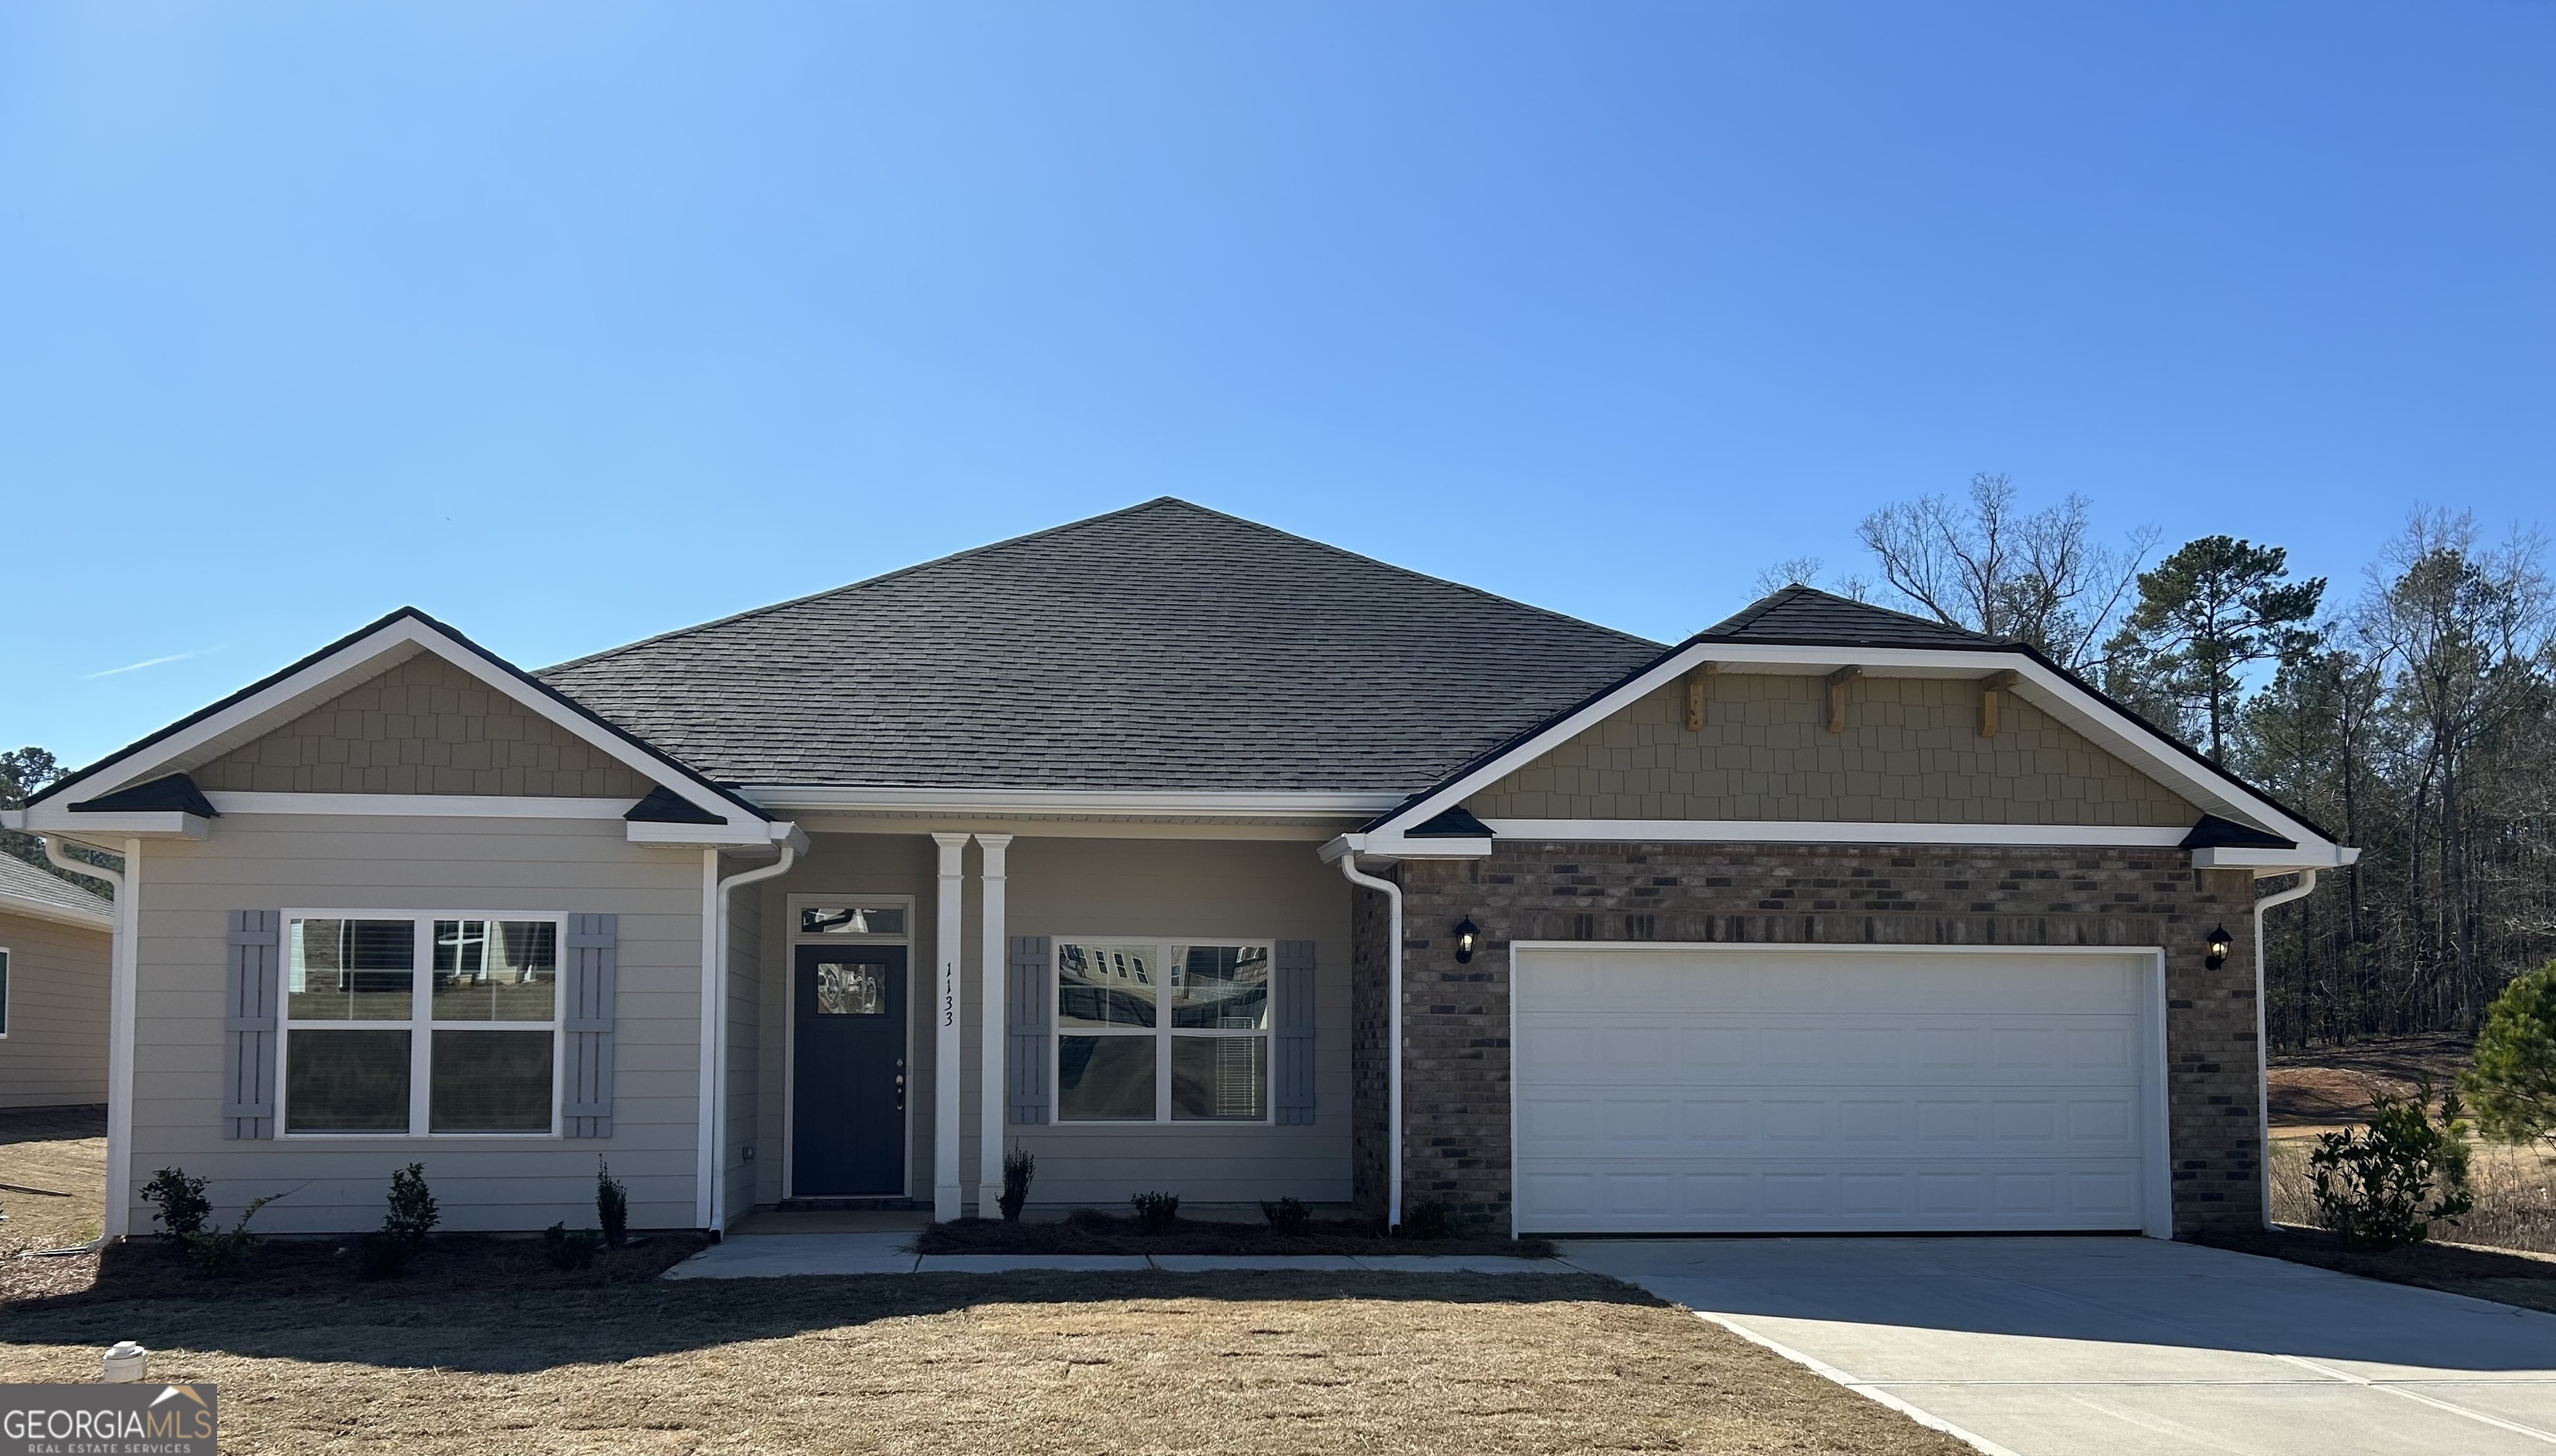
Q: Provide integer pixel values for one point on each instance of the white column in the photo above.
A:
(706, 1170)
(945, 1081)
(124, 998)
(990, 1020)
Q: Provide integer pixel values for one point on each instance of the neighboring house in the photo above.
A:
(1143, 844)
(53, 939)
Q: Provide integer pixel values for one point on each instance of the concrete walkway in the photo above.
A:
(780, 1255)
(2124, 1347)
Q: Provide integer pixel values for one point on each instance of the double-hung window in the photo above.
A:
(1162, 1030)
(406, 1025)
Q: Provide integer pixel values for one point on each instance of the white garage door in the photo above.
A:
(1824, 1088)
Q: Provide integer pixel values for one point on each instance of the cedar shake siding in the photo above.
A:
(1911, 753)
(425, 727)
(1455, 1083)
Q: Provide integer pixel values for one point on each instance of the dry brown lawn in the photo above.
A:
(1369, 1364)
(1278, 1363)
(61, 1150)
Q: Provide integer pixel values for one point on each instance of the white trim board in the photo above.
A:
(1797, 832)
(2053, 694)
(459, 805)
(1276, 804)
(102, 919)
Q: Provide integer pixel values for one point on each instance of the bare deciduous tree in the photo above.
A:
(2032, 577)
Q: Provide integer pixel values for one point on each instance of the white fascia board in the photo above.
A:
(454, 806)
(148, 824)
(1395, 847)
(1271, 804)
(753, 835)
(1832, 832)
(2050, 692)
(2316, 855)
(243, 720)
(35, 909)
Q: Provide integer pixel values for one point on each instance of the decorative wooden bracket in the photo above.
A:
(1837, 695)
(1696, 682)
(1989, 686)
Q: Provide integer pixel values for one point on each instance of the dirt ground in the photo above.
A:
(1151, 1361)
(2323, 1088)
(61, 1150)
(1371, 1364)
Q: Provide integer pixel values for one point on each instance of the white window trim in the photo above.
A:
(1161, 1033)
(791, 906)
(8, 988)
(421, 1047)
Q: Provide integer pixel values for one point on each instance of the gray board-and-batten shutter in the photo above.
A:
(251, 983)
(586, 994)
(1290, 1051)
(1028, 985)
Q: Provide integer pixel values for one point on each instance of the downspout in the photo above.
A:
(1393, 1018)
(2262, 1049)
(123, 961)
(714, 1037)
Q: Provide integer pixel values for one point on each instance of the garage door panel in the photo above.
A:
(1728, 1092)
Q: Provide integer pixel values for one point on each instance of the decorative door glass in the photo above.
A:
(851, 989)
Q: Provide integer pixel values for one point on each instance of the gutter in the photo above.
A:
(712, 1204)
(2262, 1047)
(1393, 1078)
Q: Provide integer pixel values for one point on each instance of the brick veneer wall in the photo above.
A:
(1455, 1080)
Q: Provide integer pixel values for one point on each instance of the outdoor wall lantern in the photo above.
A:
(1465, 934)
(2218, 947)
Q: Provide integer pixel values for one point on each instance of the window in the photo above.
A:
(1162, 1031)
(851, 920)
(370, 1047)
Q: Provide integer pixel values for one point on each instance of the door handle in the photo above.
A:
(900, 1092)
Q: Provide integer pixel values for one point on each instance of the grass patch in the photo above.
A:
(1031, 1364)
(63, 1151)
(1089, 1232)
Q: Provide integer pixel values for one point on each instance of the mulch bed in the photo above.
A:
(1089, 1232)
(2527, 1280)
(449, 1263)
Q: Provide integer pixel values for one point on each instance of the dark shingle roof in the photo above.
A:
(1807, 615)
(20, 880)
(1161, 647)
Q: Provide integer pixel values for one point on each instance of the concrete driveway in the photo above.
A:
(2124, 1347)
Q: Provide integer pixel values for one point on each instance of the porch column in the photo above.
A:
(945, 1081)
(992, 958)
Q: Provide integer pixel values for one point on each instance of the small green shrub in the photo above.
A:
(1018, 1168)
(2377, 1187)
(571, 1250)
(220, 1251)
(180, 1201)
(1156, 1211)
(2514, 1080)
(1287, 1218)
(1086, 1217)
(412, 1215)
(1428, 1221)
(611, 1205)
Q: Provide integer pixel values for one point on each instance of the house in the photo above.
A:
(54, 938)
(1189, 854)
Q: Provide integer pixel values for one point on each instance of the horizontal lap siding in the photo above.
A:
(56, 1051)
(1274, 890)
(1168, 888)
(282, 862)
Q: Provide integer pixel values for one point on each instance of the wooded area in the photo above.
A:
(2414, 717)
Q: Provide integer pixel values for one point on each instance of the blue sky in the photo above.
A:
(576, 323)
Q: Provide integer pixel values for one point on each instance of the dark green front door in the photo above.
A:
(848, 1108)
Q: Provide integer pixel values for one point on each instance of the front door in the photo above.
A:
(847, 1110)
